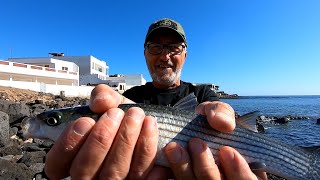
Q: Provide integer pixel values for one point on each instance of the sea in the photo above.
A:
(301, 132)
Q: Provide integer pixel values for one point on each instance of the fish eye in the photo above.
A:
(51, 121)
(54, 119)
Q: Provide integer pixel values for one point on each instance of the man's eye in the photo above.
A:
(156, 46)
(175, 47)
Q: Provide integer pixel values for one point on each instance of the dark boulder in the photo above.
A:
(282, 120)
(4, 129)
(18, 111)
(10, 170)
(4, 105)
(38, 108)
(10, 150)
(30, 158)
(318, 121)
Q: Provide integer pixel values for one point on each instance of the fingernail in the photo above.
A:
(151, 125)
(101, 96)
(224, 117)
(210, 156)
(227, 156)
(136, 113)
(173, 153)
(82, 127)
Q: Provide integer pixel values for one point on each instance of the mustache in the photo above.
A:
(161, 63)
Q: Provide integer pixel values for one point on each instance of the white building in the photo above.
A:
(88, 65)
(213, 87)
(94, 71)
(63, 70)
(134, 80)
(40, 70)
(45, 76)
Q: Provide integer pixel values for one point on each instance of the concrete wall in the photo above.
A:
(134, 80)
(70, 91)
(87, 64)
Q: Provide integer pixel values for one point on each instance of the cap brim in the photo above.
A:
(149, 35)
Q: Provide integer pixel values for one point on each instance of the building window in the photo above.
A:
(98, 68)
(65, 68)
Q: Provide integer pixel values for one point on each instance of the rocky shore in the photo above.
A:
(22, 158)
(223, 95)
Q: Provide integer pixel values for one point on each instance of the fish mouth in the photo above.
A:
(28, 127)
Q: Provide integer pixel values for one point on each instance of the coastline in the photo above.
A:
(223, 95)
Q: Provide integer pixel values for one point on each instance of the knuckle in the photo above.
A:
(102, 136)
(146, 146)
(114, 174)
(76, 174)
(205, 172)
(128, 140)
(136, 173)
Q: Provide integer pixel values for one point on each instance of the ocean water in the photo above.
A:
(303, 133)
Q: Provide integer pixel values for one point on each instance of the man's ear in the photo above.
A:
(186, 54)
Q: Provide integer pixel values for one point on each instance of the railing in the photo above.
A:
(34, 67)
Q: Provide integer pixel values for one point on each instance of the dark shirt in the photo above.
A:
(148, 94)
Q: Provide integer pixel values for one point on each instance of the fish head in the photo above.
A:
(46, 125)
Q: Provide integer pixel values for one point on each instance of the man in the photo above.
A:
(123, 144)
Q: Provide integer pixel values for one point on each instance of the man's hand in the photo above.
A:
(119, 145)
(128, 141)
(220, 115)
(198, 162)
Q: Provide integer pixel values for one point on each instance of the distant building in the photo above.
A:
(87, 65)
(134, 80)
(213, 87)
(43, 70)
(90, 71)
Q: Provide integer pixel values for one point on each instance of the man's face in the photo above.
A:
(165, 68)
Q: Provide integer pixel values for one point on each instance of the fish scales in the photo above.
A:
(277, 156)
(178, 125)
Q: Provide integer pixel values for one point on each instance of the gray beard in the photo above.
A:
(165, 79)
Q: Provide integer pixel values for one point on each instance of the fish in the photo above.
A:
(180, 123)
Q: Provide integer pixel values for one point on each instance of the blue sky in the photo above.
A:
(247, 47)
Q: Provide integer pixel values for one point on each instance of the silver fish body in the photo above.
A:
(180, 126)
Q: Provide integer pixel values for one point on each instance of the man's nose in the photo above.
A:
(165, 54)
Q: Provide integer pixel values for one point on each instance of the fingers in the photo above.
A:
(220, 115)
(121, 152)
(179, 161)
(93, 152)
(159, 173)
(145, 150)
(104, 97)
(112, 140)
(234, 165)
(67, 146)
(204, 165)
(261, 174)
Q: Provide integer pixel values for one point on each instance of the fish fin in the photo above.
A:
(257, 166)
(248, 121)
(188, 103)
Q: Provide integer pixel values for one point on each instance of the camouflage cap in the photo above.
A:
(166, 23)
